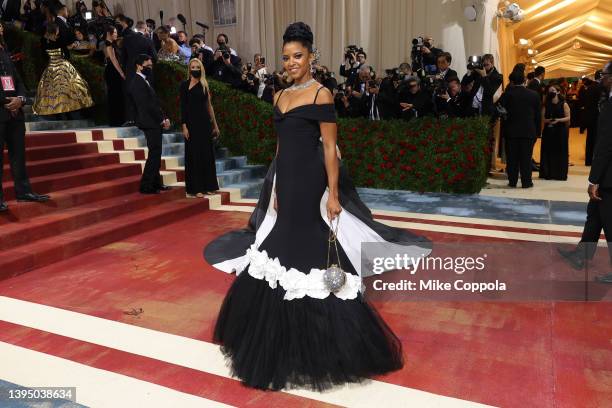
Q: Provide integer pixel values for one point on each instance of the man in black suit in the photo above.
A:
(66, 32)
(12, 131)
(150, 119)
(10, 9)
(537, 83)
(590, 114)
(444, 70)
(134, 45)
(521, 128)
(599, 209)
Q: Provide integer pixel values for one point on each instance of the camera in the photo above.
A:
(474, 62)
(224, 51)
(249, 66)
(350, 50)
(418, 43)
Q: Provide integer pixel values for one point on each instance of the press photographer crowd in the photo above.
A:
(425, 86)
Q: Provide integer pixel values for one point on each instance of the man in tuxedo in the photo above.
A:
(521, 128)
(12, 131)
(537, 83)
(599, 209)
(134, 45)
(150, 119)
(591, 98)
(10, 9)
(66, 32)
(444, 70)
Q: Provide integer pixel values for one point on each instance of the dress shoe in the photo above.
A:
(572, 257)
(527, 185)
(3, 206)
(33, 197)
(512, 185)
(128, 123)
(164, 188)
(149, 191)
(604, 278)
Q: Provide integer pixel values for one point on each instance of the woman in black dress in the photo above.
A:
(114, 77)
(282, 324)
(554, 152)
(199, 128)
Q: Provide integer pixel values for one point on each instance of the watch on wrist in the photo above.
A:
(22, 99)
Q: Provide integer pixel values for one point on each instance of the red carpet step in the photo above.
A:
(95, 201)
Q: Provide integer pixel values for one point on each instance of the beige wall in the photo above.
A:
(384, 28)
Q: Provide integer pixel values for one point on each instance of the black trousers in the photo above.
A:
(591, 139)
(599, 216)
(518, 159)
(12, 133)
(151, 179)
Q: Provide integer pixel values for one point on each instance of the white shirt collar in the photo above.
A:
(142, 76)
(62, 18)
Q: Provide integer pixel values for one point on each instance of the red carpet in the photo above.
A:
(511, 354)
(95, 201)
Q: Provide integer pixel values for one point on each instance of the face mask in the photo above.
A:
(196, 73)
(552, 94)
(147, 71)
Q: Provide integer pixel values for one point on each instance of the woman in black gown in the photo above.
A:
(280, 326)
(554, 152)
(114, 78)
(199, 129)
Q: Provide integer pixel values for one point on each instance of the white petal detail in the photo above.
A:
(295, 283)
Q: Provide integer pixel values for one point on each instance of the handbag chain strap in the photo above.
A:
(333, 239)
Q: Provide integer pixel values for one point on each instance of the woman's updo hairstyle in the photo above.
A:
(299, 32)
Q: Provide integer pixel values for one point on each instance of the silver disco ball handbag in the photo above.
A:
(334, 276)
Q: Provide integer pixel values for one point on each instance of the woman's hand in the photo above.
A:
(216, 133)
(185, 132)
(333, 208)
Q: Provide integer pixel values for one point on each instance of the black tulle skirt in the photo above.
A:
(303, 343)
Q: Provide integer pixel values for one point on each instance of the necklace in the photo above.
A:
(301, 86)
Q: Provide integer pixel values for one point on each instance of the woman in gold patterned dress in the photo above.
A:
(61, 88)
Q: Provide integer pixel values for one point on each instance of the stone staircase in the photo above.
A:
(233, 172)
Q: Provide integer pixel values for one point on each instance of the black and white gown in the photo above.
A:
(279, 326)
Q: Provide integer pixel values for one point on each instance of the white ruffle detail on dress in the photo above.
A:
(296, 284)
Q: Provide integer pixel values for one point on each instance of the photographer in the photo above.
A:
(405, 71)
(79, 20)
(354, 59)
(388, 97)
(424, 55)
(359, 96)
(413, 101)
(204, 54)
(226, 66)
(443, 64)
(248, 81)
(223, 42)
(341, 101)
(324, 77)
(485, 83)
(448, 103)
(272, 84)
